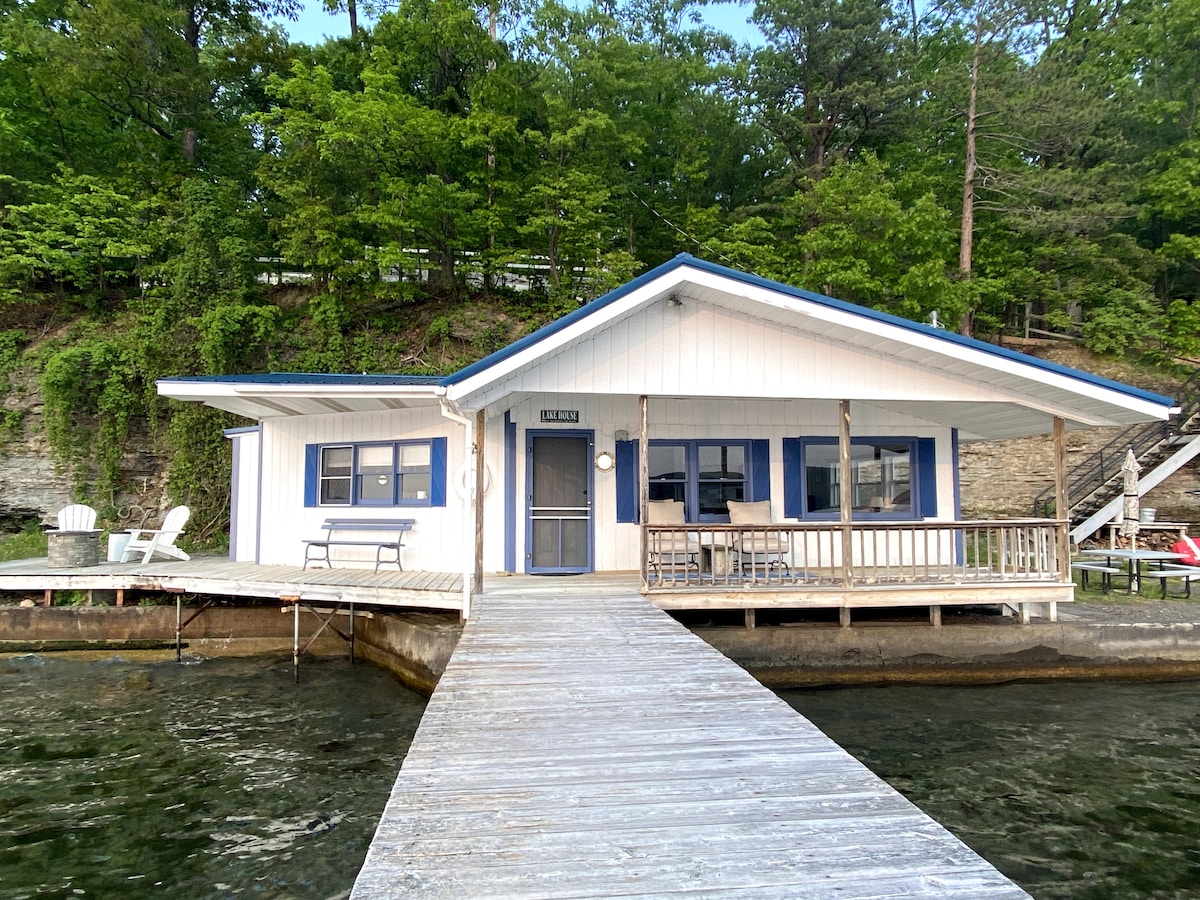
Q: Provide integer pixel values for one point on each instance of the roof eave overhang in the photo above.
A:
(257, 401)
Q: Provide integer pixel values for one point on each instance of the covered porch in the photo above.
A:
(1024, 565)
(858, 560)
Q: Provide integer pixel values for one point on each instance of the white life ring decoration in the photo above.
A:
(464, 481)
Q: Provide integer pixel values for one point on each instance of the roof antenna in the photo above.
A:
(933, 319)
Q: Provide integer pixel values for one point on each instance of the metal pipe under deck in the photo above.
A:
(584, 744)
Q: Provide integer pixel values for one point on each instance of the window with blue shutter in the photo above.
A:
(376, 473)
(702, 474)
(890, 478)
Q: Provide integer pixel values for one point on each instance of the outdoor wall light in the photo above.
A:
(605, 461)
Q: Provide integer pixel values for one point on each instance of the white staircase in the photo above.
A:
(1188, 449)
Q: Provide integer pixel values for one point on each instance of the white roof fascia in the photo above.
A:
(199, 390)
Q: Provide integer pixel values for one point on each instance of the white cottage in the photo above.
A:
(692, 396)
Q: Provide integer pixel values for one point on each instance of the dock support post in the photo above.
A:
(48, 598)
(935, 616)
(351, 634)
(295, 638)
(750, 614)
(179, 628)
(844, 617)
(846, 505)
(478, 489)
(644, 486)
(1061, 510)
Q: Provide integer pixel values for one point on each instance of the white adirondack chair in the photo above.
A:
(77, 517)
(160, 541)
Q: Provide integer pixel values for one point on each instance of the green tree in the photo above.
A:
(826, 78)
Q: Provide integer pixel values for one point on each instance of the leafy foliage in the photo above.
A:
(161, 159)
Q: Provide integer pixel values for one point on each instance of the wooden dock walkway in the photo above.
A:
(219, 576)
(586, 745)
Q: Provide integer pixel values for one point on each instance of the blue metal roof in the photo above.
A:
(686, 259)
(311, 378)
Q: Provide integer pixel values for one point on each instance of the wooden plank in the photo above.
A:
(212, 575)
(477, 498)
(845, 494)
(643, 484)
(582, 743)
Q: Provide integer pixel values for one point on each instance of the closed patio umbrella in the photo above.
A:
(1130, 510)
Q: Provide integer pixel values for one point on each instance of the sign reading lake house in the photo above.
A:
(560, 415)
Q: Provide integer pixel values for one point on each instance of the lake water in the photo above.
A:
(219, 778)
(1072, 790)
(222, 778)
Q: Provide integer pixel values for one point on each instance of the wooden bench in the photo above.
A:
(390, 536)
(1187, 573)
(1106, 573)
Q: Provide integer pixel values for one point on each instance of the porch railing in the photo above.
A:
(884, 553)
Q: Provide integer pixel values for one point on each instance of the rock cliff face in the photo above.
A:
(32, 490)
(1002, 478)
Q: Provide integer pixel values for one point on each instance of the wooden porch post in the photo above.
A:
(847, 502)
(1061, 508)
(480, 417)
(644, 484)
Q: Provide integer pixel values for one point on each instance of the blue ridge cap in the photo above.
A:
(309, 378)
(686, 259)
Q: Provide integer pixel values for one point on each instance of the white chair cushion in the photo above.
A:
(757, 513)
(667, 512)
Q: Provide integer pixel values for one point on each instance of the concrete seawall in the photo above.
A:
(415, 647)
(796, 657)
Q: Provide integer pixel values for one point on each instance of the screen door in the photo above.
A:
(559, 536)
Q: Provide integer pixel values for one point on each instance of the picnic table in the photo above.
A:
(1134, 558)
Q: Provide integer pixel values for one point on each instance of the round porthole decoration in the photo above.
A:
(605, 461)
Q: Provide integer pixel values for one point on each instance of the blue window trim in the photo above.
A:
(437, 474)
(922, 486)
(757, 481)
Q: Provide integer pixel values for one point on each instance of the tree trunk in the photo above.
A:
(489, 276)
(352, 10)
(188, 143)
(189, 135)
(967, 234)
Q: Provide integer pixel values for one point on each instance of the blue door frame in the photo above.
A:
(588, 438)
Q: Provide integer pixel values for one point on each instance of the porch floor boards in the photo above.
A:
(214, 575)
(581, 743)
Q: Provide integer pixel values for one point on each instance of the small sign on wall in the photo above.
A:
(560, 415)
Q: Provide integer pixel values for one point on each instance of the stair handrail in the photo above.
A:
(1104, 465)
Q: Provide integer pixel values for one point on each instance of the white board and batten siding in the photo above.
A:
(702, 351)
(617, 544)
(436, 541)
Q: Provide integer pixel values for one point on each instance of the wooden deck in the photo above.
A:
(583, 744)
(216, 575)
